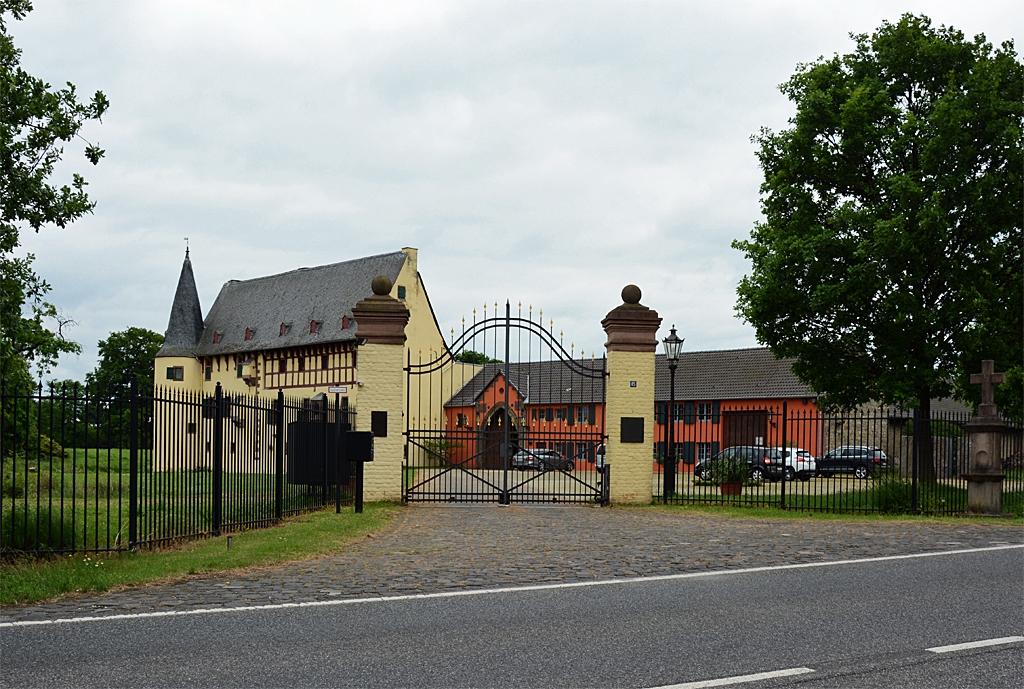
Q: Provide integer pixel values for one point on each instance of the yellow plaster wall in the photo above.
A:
(380, 370)
(173, 446)
(632, 471)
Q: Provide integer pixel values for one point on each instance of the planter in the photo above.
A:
(732, 488)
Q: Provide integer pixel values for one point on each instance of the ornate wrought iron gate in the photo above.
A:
(506, 414)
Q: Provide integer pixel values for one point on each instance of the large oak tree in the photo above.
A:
(890, 248)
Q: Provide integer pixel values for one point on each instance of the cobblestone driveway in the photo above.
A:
(432, 548)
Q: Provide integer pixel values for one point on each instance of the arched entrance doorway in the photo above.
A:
(492, 437)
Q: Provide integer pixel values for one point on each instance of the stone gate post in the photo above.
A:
(629, 403)
(381, 321)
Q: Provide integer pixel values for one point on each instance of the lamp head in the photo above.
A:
(673, 345)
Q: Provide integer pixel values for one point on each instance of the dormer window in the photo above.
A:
(314, 327)
(285, 329)
(344, 322)
(216, 337)
(248, 334)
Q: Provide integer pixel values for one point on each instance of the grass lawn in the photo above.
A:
(81, 501)
(27, 580)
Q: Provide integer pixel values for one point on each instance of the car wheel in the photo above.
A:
(570, 465)
(804, 476)
(790, 473)
(861, 472)
(757, 474)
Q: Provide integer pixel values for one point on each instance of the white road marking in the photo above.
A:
(739, 679)
(976, 644)
(515, 589)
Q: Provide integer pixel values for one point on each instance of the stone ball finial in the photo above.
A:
(631, 294)
(381, 285)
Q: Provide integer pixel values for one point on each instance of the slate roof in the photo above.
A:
(543, 382)
(729, 374)
(185, 326)
(752, 373)
(324, 293)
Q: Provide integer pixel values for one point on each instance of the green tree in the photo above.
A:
(891, 239)
(34, 121)
(125, 354)
(470, 357)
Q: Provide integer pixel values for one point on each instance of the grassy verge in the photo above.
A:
(740, 511)
(29, 580)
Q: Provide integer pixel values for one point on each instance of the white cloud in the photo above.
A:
(543, 152)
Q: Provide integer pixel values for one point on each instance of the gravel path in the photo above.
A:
(439, 548)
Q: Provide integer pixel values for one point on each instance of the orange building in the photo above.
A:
(733, 397)
(723, 398)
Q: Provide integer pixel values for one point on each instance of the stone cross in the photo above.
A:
(987, 380)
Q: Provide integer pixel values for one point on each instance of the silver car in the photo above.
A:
(800, 463)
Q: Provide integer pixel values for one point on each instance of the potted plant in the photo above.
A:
(729, 473)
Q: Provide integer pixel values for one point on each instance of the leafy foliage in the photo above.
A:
(125, 354)
(34, 121)
(890, 249)
(470, 357)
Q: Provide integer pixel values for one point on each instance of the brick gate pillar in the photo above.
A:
(629, 403)
(380, 401)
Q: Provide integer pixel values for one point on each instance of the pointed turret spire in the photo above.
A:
(185, 327)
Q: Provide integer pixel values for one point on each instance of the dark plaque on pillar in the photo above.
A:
(379, 424)
(632, 429)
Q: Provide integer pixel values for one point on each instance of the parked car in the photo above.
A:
(541, 460)
(764, 462)
(800, 463)
(860, 460)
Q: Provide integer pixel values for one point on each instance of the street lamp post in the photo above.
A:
(672, 346)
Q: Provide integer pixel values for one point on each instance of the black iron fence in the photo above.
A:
(84, 473)
(880, 460)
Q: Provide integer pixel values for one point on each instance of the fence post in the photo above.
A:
(337, 453)
(279, 459)
(913, 459)
(218, 458)
(785, 460)
(133, 467)
(324, 454)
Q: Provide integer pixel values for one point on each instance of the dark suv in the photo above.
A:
(860, 460)
(764, 462)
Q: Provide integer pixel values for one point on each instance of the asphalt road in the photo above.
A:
(863, 623)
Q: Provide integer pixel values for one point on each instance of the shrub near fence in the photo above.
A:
(902, 486)
(82, 474)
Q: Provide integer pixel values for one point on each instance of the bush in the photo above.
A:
(35, 531)
(892, 494)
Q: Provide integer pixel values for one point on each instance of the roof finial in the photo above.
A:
(186, 248)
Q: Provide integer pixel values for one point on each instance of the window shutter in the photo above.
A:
(716, 408)
(170, 373)
(690, 412)
(662, 413)
(689, 452)
(593, 414)
(714, 448)
(572, 416)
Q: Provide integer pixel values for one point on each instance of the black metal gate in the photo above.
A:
(505, 414)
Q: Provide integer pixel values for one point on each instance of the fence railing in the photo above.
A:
(83, 473)
(881, 460)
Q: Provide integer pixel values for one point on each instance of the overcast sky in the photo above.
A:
(546, 153)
